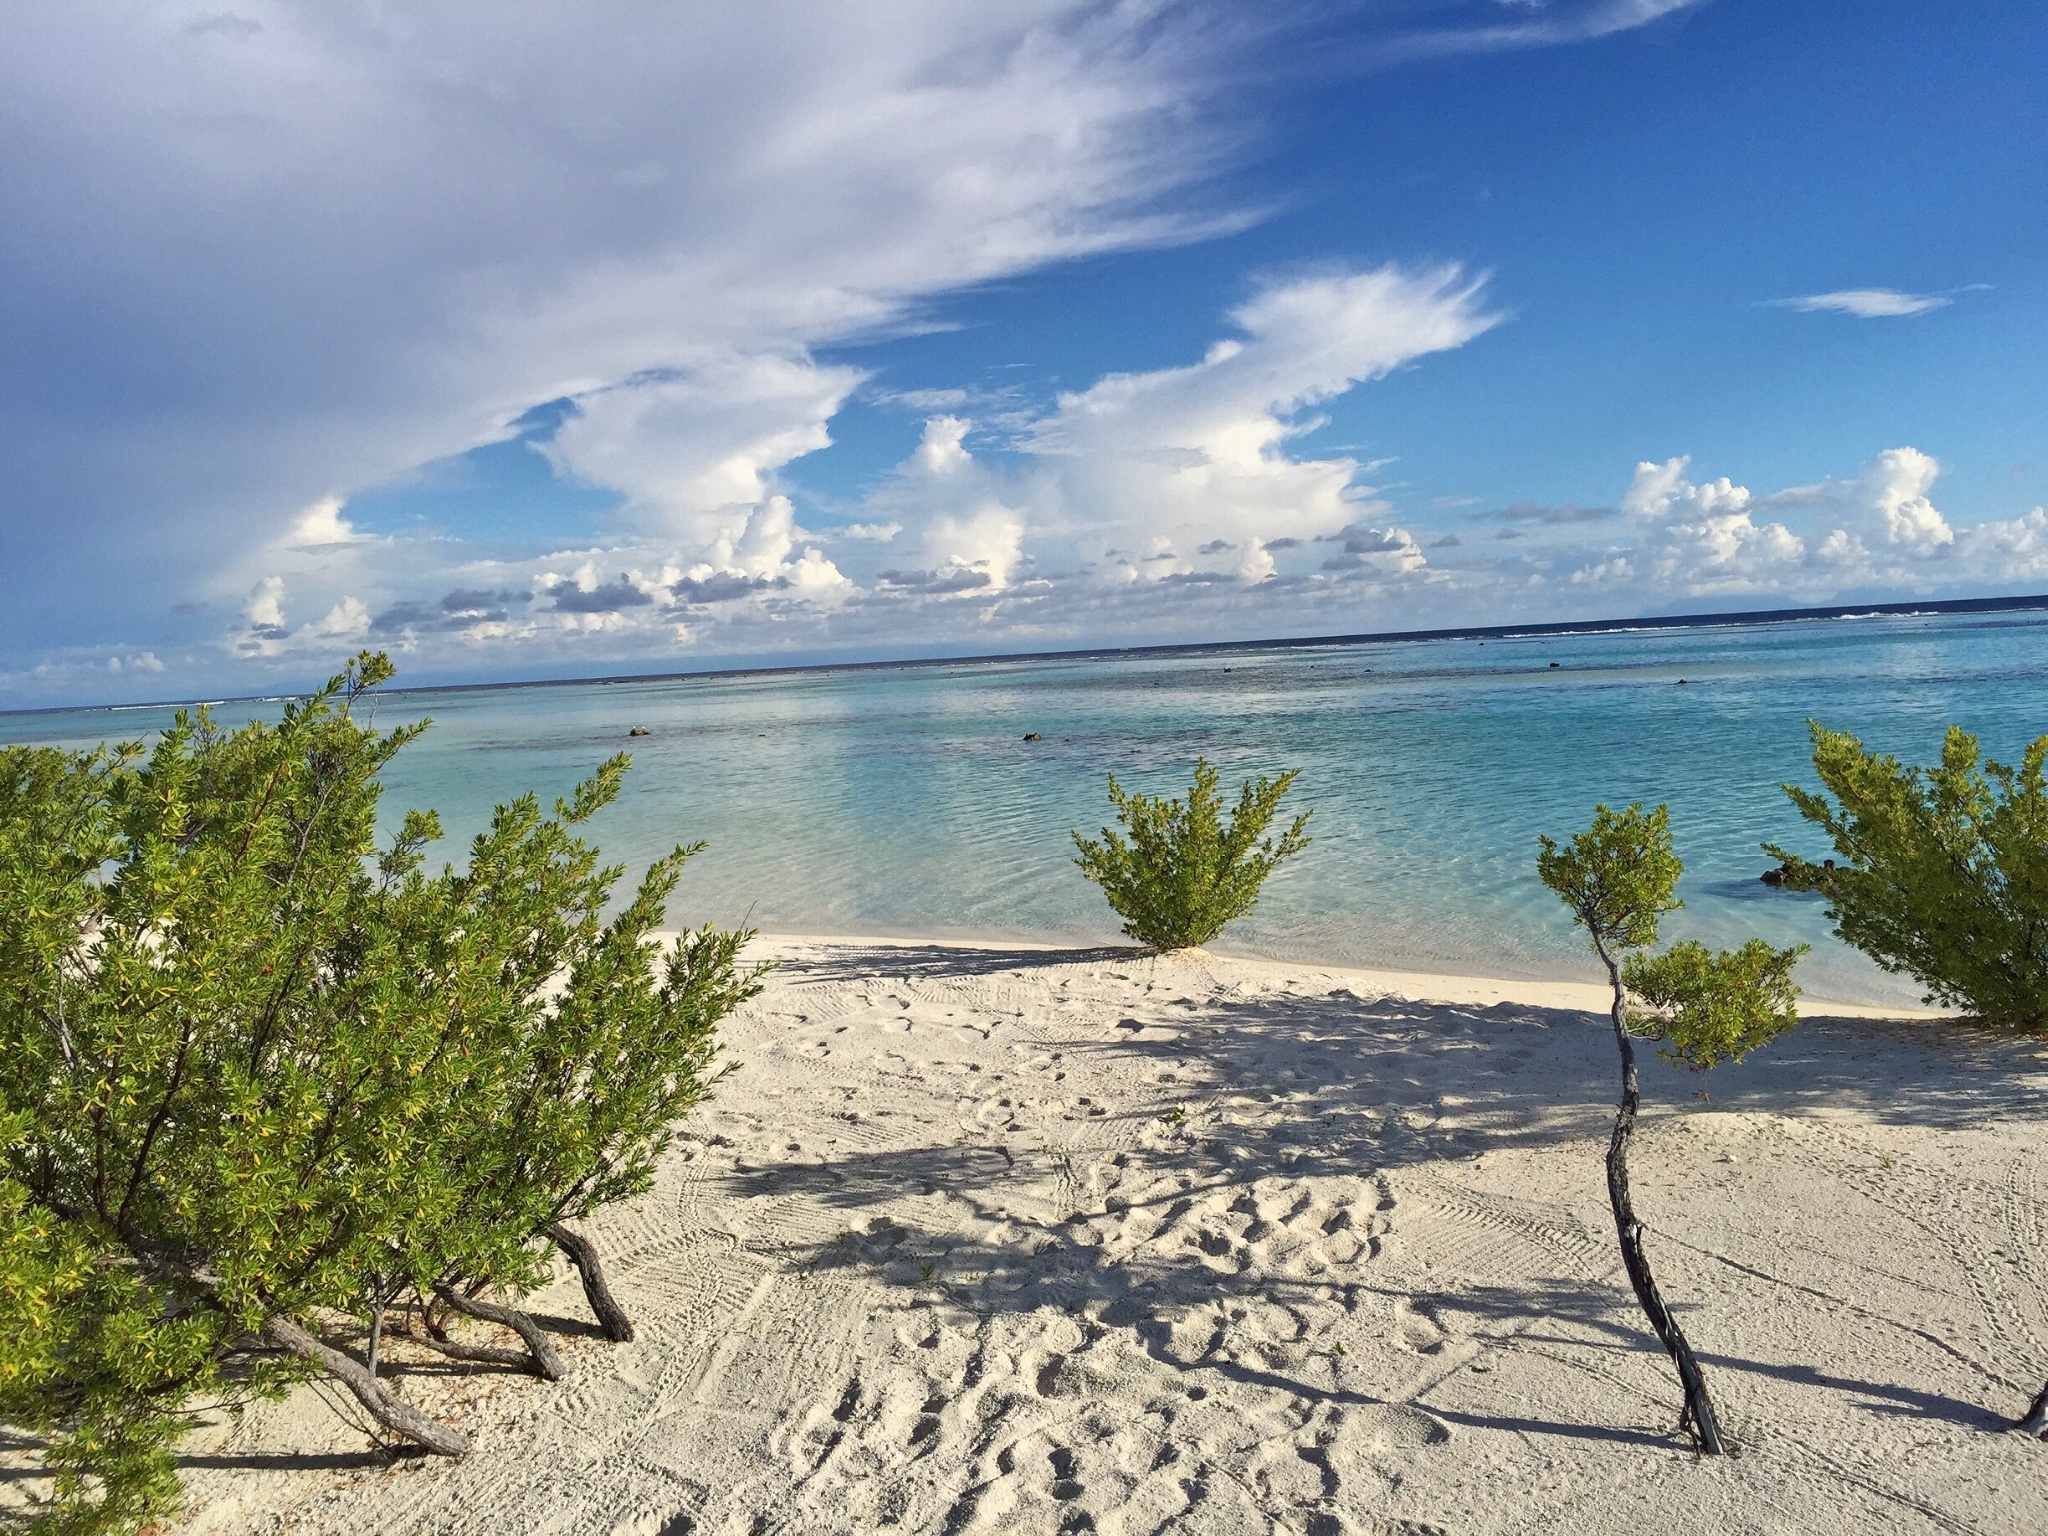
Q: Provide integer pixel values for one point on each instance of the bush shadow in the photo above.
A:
(1282, 1085)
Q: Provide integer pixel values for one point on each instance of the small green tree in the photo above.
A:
(250, 1066)
(1944, 872)
(1183, 874)
(1943, 877)
(1619, 877)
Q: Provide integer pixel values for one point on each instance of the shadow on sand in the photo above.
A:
(1341, 1085)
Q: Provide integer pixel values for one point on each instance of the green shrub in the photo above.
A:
(1619, 877)
(1944, 871)
(252, 1068)
(1183, 874)
(590, 1087)
(1709, 1007)
(1943, 877)
(86, 1347)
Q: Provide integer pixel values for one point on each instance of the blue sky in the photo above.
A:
(625, 339)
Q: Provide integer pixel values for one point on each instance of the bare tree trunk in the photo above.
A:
(1699, 1408)
(390, 1411)
(376, 1338)
(583, 1254)
(545, 1364)
(481, 1354)
(2036, 1420)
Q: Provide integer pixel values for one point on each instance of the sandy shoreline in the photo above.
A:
(1027, 1239)
(1416, 986)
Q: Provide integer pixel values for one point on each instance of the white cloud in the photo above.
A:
(320, 524)
(1896, 484)
(1139, 482)
(1868, 303)
(1701, 537)
(266, 604)
(265, 632)
(1886, 501)
(1615, 572)
(1660, 490)
(2014, 550)
(344, 241)
(1174, 478)
(988, 540)
(939, 452)
(1196, 454)
(1876, 529)
(1534, 24)
(443, 217)
(348, 619)
(763, 550)
(694, 448)
(812, 574)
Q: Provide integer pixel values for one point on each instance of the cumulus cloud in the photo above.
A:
(2012, 550)
(321, 525)
(1616, 572)
(265, 632)
(348, 619)
(1896, 484)
(601, 597)
(1885, 503)
(763, 550)
(1702, 537)
(719, 587)
(1385, 549)
(989, 541)
(265, 613)
(458, 611)
(1875, 529)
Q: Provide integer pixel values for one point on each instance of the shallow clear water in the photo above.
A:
(904, 800)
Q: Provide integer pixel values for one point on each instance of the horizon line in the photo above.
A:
(2017, 604)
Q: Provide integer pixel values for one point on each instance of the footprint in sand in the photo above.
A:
(1416, 1329)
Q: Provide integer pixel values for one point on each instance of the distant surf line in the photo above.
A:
(1929, 608)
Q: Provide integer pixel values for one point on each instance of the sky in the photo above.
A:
(550, 341)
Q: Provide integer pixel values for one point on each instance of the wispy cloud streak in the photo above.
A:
(1867, 303)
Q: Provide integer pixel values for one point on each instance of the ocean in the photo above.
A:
(905, 800)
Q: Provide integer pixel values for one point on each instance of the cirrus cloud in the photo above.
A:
(1868, 303)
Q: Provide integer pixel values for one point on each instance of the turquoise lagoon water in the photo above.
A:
(903, 800)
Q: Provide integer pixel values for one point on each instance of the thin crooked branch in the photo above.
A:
(546, 1364)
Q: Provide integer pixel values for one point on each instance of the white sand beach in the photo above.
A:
(983, 1239)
